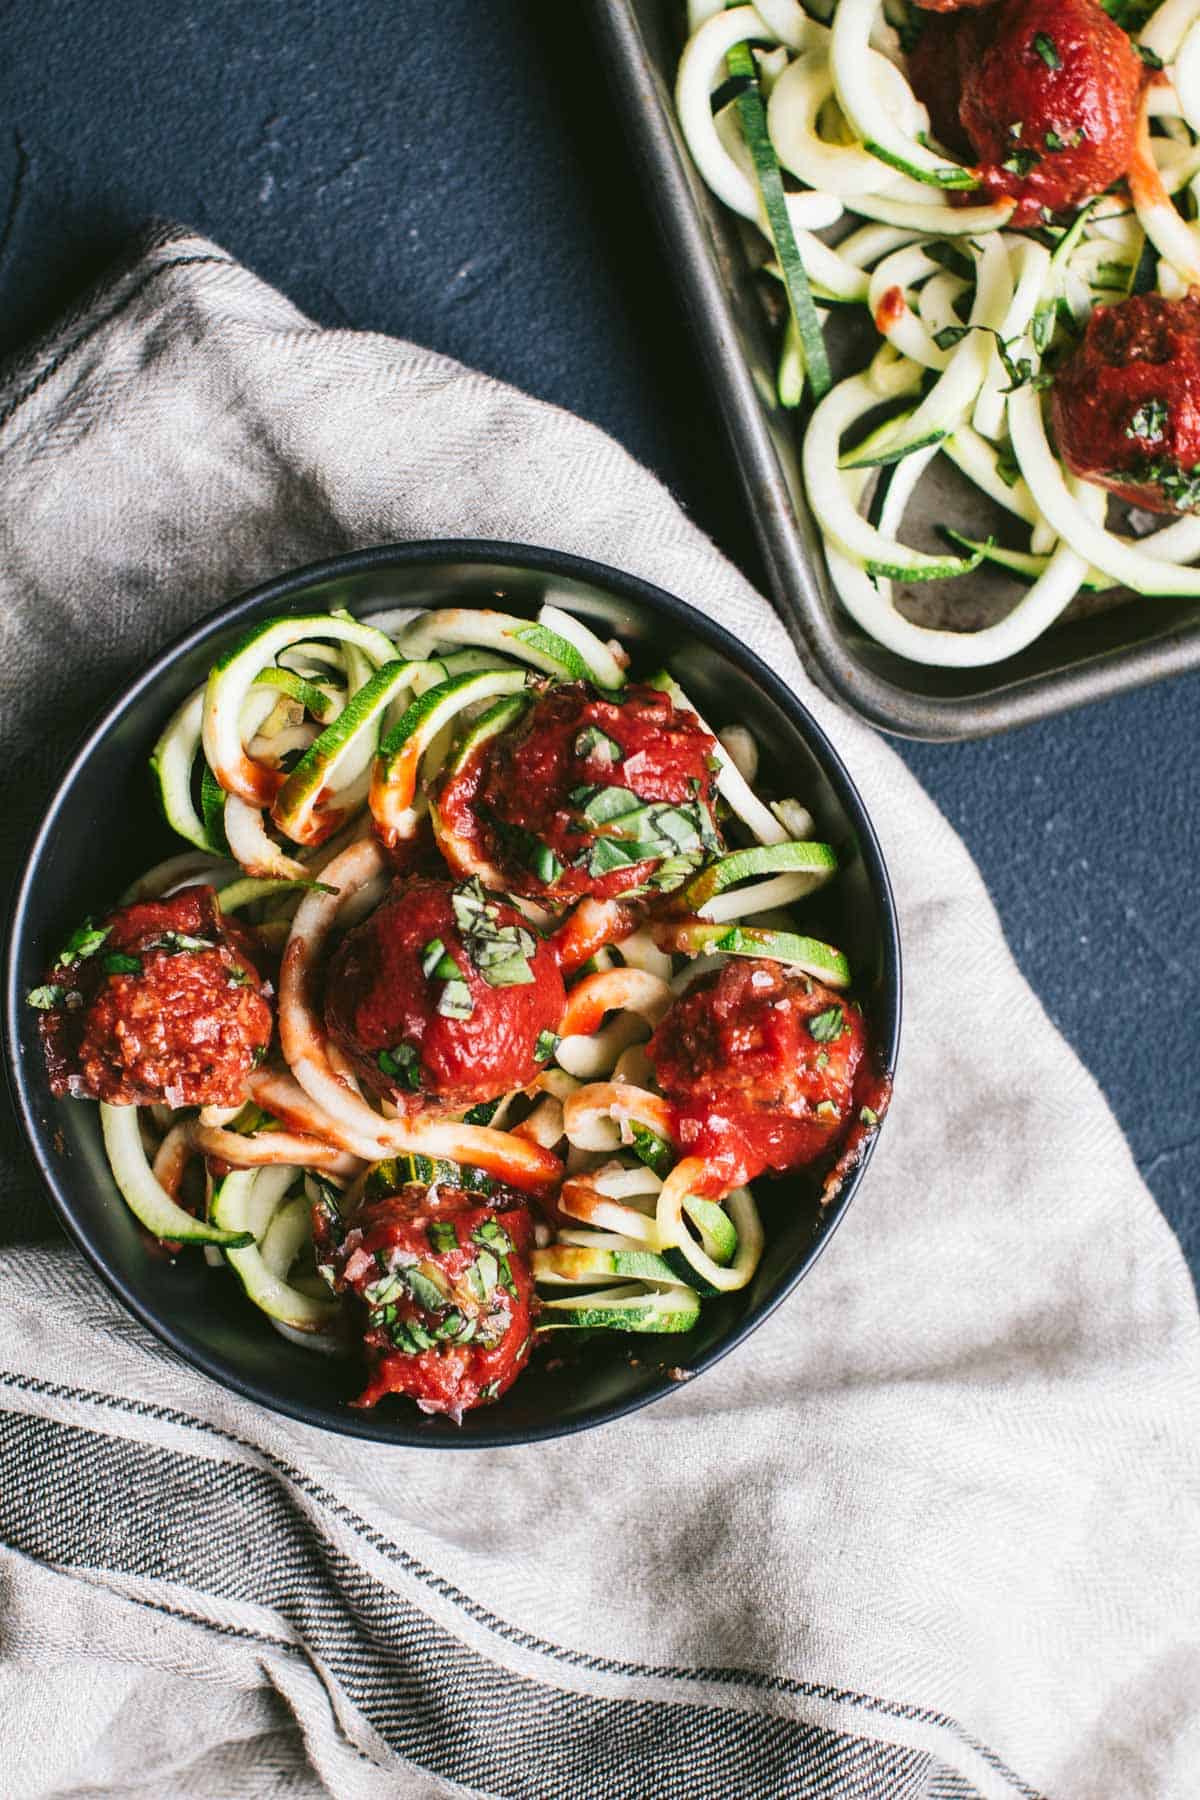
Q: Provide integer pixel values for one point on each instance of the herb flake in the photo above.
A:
(826, 1027)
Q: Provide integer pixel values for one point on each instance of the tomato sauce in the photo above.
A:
(386, 997)
(160, 1003)
(1046, 93)
(521, 799)
(1126, 403)
(891, 309)
(760, 1066)
(444, 1293)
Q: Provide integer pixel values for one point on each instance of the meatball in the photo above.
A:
(586, 795)
(444, 994)
(760, 1065)
(1047, 96)
(1126, 403)
(444, 1292)
(159, 1003)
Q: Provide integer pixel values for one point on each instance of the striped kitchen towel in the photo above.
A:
(931, 1532)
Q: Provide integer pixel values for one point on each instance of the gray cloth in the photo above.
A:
(931, 1532)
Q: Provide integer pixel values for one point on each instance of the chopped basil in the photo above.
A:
(501, 953)
(822, 1059)
(1149, 421)
(1151, 58)
(827, 1111)
(1014, 131)
(827, 1026)
(426, 1293)
(485, 1272)
(1178, 485)
(442, 1236)
(454, 1001)
(175, 943)
(544, 863)
(403, 1063)
(868, 1115)
(437, 964)
(594, 743)
(423, 1339)
(455, 1325)
(489, 1390)
(547, 1044)
(1055, 141)
(607, 854)
(492, 1236)
(378, 1293)
(1021, 162)
(119, 962)
(1045, 46)
(83, 942)
(43, 998)
(949, 335)
(603, 804)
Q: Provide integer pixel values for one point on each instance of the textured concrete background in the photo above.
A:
(455, 174)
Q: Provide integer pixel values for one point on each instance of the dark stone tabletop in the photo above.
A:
(456, 174)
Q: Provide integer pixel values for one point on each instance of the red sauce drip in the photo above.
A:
(891, 309)
(760, 1065)
(394, 1233)
(184, 1027)
(378, 998)
(518, 785)
(1126, 403)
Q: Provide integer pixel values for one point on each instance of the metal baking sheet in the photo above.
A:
(1088, 655)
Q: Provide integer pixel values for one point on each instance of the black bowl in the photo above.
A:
(102, 828)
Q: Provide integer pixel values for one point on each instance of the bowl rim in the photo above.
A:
(398, 1430)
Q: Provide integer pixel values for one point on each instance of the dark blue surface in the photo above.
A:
(455, 174)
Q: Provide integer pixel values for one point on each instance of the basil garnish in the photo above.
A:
(501, 953)
(827, 1026)
(592, 742)
(83, 942)
(454, 1001)
(442, 1236)
(426, 1293)
(403, 1063)
(437, 964)
(44, 998)
(1149, 421)
(119, 962)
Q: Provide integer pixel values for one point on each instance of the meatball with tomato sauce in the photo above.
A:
(586, 795)
(1046, 93)
(161, 1003)
(444, 1291)
(444, 992)
(1126, 403)
(760, 1065)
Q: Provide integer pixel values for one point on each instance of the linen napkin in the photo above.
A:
(931, 1532)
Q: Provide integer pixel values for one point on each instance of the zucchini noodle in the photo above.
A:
(969, 312)
(637, 1233)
